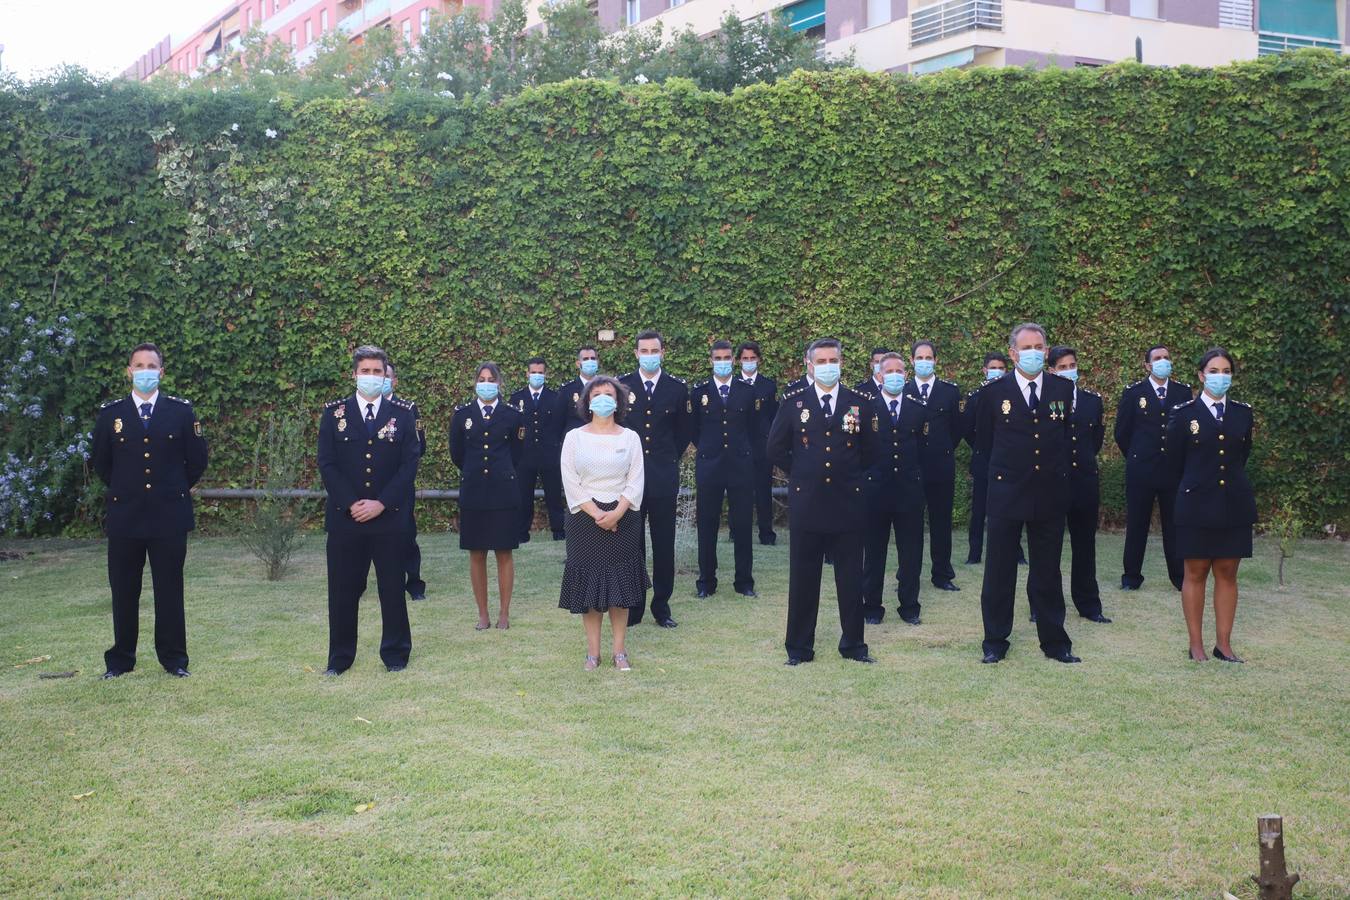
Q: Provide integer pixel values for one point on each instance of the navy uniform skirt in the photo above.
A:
(1214, 543)
(489, 529)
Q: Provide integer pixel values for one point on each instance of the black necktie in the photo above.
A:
(1031, 398)
(536, 398)
(1218, 411)
(1162, 393)
(923, 393)
(487, 412)
(825, 404)
(724, 389)
(370, 417)
(649, 389)
(895, 412)
(146, 409)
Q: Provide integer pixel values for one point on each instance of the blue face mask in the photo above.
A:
(388, 387)
(749, 368)
(721, 367)
(893, 383)
(649, 362)
(369, 386)
(1031, 361)
(603, 405)
(589, 367)
(827, 374)
(1071, 374)
(486, 390)
(1218, 383)
(923, 367)
(992, 374)
(145, 380)
(876, 368)
(1162, 368)
(537, 381)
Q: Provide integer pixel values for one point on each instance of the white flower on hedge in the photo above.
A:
(445, 76)
(449, 94)
(271, 132)
(234, 126)
(640, 78)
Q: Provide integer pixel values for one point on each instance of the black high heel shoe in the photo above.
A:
(1232, 659)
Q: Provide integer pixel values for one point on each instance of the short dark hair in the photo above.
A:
(650, 335)
(369, 351)
(720, 345)
(494, 369)
(825, 343)
(914, 348)
(1058, 353)
(620, 394)
(584, 347)
(148, 348)
(536, 361)
(995, 357)
(880, 351)
(1215, 353)
(1148, 354)
(752, 346)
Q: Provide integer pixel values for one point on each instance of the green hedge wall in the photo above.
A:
(258, 240)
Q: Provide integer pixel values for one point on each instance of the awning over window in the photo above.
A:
(1307, 18)
(212, 43)
(945, 61)
(805, 15)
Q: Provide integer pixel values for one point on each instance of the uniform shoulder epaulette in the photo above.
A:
(333, 403)
(792, 392)
(400, 402)
(1238, 403)
(702, 384)
(678, 378)
(1183, 384)
(107, 403)
(1087, 391)
(463, 406)
(177, 399)
(1181, 406)
(945, 381)
(1136, 384)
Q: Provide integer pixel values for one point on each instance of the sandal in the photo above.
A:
(482, 627)
(592, 663)
(621, 662)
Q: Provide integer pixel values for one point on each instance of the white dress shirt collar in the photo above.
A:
(1152, 383)
(653, 378)
(749, 379)
(1023, 381)
(152, 399)
(1210, 403)
(832, 393)
(362, 401)
(482, 406)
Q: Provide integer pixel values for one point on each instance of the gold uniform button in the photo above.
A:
(1220, 483)
(367, 470)
(827, 465)
(1037, 436)
(1075, 465)
(367, 484)
(827, 434)
(147, 487)
(897, 468)
(485, 471)
(147, 454)
(367, 456)
(147, 471)
(1037, 451)
(147, 440)
(1037, 468)
(1221, 438)
(1220, 452)
(370, 443)
(827, 481)
(649, 424)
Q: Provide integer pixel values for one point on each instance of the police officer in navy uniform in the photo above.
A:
(416, 587)
(539, 460)
(871, 385)
(368, 456)
(1141, 435)
(565, 415)
(658, 405)
(823, 438)
(1086, 434)
(995, 366)
(937, 458)
(765, 393)
(1024, 429)
(894, 496)
(149, 450)
(722, 421)
(804, 379)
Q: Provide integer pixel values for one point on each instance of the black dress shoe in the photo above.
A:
(1098, 617)
(945, 586)
(704, 593)
(871, 620)
(1022, 561)
(418, 596)
(666, 623)
(395, 668)
(179, 672)
(769, 541)
(1126, 586)
(1233, 659)
(793, 661)
(111, 674)
(559, 536)
(1033, 618)
(972, 560)
(1065, 657)
(991, 657)
(330, 672)
(865, 658)
(524, 538)
(748, 592)
(912, 620)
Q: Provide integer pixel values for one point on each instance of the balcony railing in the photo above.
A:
(369, 13)
(933, 23)
(1270, 42)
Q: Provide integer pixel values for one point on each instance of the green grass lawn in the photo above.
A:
(495, 765)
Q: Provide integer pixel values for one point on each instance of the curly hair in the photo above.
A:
(620, 394)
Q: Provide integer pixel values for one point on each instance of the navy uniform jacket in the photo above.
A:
(1028, 454)
(1141, 431)
(942, 431)
(1086, 436)
(565, 416)
(869, 387)
(826, 461)
(149, 472)
(358, 465)
(895, 477)
(542, 447)
(421, 432)
(723, 433)
(1210, 464)
(663, 426)
(969, 410)
(766, 406)
(487, 452)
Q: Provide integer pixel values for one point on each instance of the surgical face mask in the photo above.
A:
(721, 368)
(387, 388)
(923, 367)
(1031, 361)
(369, 386)
(1162, 368)
(893, 383)
(749, 368)
(649, 362)
(145, 380)
(537, 381)
(589, 367)
(827, 374)
(876, 368)
(603, 405)
(992, 374)
(1071, 374)
(486, 390)
(1218, 383)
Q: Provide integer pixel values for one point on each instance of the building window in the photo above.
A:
(1235, 14)
(248, 19)
(309, 32)
(407, 31)
(292, 38)
(631, 13)
(878, 12)
(675, 3)
(1304, 18)
(1091, 5)
(1144, 9)
(423, 21)
(323, 21)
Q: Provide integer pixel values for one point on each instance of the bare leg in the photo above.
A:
(506, 580)
(591, 620)
(478, 578)
(1193, 604)
(1225, 602)
(618, 626)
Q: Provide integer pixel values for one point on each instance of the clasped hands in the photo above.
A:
(365, 510)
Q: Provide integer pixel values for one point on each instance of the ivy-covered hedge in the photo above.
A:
(258, 240)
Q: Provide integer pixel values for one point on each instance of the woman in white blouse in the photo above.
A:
(602, 478)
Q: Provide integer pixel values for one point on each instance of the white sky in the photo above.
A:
(104, 36)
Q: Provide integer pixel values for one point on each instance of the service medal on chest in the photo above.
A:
(1007, 407)
(806, 416)
(1143, 403)
(705, 399)
(117, 426)
(1195, 427)
(632, 398)
(468, 424)
(342, 425)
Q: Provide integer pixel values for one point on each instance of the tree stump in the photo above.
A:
(1274, 882)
